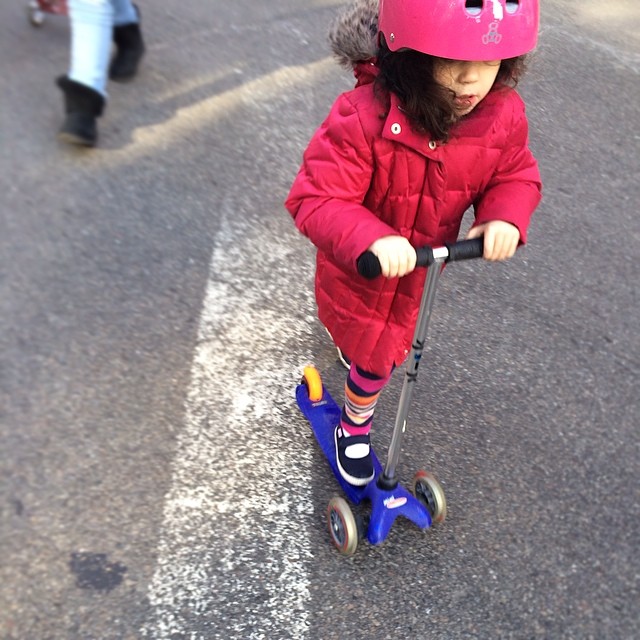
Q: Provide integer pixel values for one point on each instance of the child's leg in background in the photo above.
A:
(91, 35)
(85, 86)
(95, 26)
(127, 36)
(353, 451)
(124, 12)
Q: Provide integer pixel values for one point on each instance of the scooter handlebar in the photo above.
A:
(369, 265)
(465, 250)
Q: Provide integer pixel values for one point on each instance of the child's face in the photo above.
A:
(470, 81)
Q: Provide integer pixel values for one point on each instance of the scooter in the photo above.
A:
(425, 504)
(36, 10)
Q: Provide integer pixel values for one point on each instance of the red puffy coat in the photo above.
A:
(367, 174)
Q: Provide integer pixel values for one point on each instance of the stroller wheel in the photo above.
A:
(36, 16)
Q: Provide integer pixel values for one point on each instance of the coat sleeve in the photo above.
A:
(326, 199)
(514, 191)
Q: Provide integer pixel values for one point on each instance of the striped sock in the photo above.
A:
(361, 391)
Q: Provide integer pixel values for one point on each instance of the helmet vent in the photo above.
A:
(512, 6)
(473, 7)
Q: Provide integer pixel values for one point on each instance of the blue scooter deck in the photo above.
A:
(324, 416)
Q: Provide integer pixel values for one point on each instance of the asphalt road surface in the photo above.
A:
(156, 308)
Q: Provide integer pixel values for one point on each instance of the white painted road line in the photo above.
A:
(234, 549)
(232, 555)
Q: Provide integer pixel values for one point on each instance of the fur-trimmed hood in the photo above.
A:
(353, 34)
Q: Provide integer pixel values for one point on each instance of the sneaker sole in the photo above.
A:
(78, 141)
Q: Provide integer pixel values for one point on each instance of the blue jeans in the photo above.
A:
(92, 23)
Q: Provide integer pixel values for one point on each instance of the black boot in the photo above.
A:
(82, 106)
(130, 49)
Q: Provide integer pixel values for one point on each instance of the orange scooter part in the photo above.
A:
(312, 380)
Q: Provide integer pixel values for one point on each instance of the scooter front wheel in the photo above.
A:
(342, 526)
(427, 489)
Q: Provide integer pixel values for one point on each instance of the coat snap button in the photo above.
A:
(432, 144)
(396, 128)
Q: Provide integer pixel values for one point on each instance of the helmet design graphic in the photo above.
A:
(461, 29)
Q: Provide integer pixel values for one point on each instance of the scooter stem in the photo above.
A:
(387, 478)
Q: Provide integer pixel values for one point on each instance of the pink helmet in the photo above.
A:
(461, 29)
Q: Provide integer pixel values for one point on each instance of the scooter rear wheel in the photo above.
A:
(427, 489)
(342, 526)
(312, 380)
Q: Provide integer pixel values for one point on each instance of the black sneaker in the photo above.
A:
(353, 455)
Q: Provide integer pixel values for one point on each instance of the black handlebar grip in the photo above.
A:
(465, 249)
(424, 256)
(369, 265)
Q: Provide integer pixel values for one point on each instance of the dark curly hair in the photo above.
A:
(410, 75)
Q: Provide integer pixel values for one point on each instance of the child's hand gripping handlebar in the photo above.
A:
(369, 266)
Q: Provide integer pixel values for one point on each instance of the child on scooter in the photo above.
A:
(433, 127)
